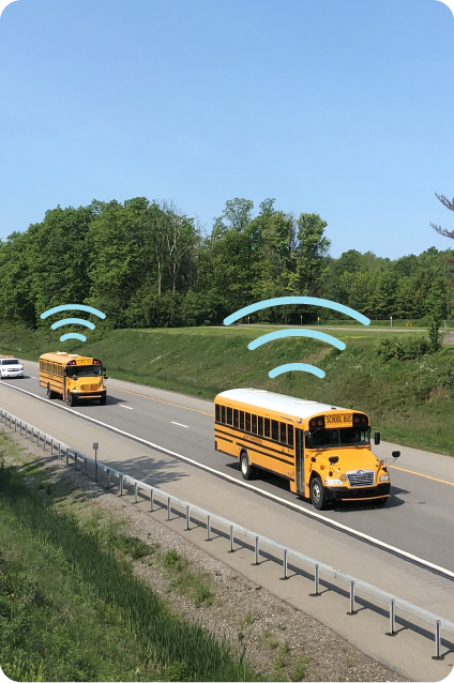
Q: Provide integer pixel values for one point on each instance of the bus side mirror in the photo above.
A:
(396, 454)
(105, 377)
(333, 459)
(377, 438)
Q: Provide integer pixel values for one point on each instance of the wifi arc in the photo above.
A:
(293, 367)
(73, 321)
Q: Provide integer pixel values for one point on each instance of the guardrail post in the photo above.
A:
(317, 582)
(45, 441)
(232, 539)
(136, 486)
(67, 455)
(352, 598)
(38, 437)
(85, 465)
(257, 538)
(392, 617)
(107, 478)
(188, 518)
(208, 528)
(285, 563)
(151, 500)
(15, 424)
(121, 484)
(168, 508)
(51, 447)
(437, 639)
(75, 460)
(59, 450)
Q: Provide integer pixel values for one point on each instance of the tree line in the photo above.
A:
(147, 264)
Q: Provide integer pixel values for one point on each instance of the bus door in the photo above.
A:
(299, 462)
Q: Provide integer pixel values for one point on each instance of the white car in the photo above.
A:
(11, 367)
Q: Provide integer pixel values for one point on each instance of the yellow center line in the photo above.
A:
(160, 400)
(418, 474)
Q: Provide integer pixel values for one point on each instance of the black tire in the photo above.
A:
(72, 400)
(50, 393)
(102, 400)
(247, 470)
(318, 494)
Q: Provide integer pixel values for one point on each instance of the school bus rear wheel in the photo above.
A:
(50, 393)
(247, 470)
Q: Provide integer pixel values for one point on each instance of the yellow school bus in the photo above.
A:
(324, 451)
(72, 377)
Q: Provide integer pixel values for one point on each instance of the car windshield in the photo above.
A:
(12, 361)
(84, 371)
(333, 438)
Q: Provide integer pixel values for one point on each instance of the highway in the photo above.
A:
(165, 438)
(415, 518)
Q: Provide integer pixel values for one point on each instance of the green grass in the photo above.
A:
(72, 610)
(187, 582)
(409, 401)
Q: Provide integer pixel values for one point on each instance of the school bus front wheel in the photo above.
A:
(318, 494)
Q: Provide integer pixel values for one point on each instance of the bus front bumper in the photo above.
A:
(363, 493)
(88, 394)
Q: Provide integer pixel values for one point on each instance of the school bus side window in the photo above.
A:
(242, 420)
(235, 418)
(275, 430)
(267, 427)
(254, 424)
(290, 435)
(283, 432)
(260, 426)
(229, 416)
(218, 413)
(223, 415)
(248, 422)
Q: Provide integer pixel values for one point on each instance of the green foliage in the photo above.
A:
(147, 264)
(434, 336)
(395, 348)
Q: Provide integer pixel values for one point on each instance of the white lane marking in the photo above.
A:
(179, 424)
(33, 376)
(127, 407)
(262, 492)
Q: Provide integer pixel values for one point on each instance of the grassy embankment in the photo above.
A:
(71, 608)
(410, 401)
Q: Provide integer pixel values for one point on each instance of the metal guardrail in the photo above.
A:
(207, 519)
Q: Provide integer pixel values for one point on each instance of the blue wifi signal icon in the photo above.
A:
(315, 334)
(73, 321)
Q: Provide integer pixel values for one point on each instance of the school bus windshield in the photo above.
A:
(333, 438)
(84, 370)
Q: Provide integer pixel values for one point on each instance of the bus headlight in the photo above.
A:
(333, 482)
(384, 477)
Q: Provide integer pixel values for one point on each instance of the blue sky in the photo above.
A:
(340, 107)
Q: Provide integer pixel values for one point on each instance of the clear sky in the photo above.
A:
(339, 107)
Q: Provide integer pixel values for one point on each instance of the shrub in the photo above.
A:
(402, 349)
